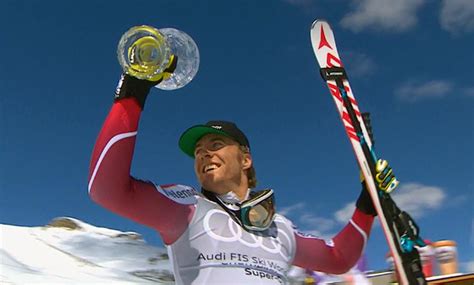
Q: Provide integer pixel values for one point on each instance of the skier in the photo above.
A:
(227, 233)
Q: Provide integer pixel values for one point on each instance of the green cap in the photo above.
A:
(188, 140)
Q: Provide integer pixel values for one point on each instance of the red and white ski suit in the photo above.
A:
(204, 242)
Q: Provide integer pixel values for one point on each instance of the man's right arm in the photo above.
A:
(111, 185)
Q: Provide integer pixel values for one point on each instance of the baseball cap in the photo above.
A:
(187, 141)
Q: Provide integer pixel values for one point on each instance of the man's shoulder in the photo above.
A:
(282, 219)
(294, 228)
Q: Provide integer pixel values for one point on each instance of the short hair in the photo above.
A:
(251, 174)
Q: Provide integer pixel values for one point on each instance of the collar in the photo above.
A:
(232, 198)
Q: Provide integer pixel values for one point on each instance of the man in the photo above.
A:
(225, 234)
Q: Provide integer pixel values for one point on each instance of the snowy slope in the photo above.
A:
(69, 251)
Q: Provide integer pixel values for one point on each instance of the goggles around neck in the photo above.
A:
(255, 214)
(258, 212)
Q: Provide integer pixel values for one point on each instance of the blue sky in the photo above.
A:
(409, 64)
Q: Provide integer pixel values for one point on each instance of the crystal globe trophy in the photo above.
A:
(167, 55)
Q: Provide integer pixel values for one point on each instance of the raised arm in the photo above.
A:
(110, 183)
(341, 253)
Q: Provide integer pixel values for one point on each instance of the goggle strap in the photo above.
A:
(257, 199)
(235, 214)
(211, 196)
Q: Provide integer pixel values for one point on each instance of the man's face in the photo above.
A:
(220, 164)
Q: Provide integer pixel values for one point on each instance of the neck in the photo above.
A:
(240, 187)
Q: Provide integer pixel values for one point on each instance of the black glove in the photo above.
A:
(364, 202)
(130, 86)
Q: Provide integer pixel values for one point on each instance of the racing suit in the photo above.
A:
(205, 245)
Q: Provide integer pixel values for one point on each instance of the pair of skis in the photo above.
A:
(400, 230)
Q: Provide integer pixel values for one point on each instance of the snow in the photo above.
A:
(69, 251)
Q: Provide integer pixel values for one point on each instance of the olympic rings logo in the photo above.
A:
(270, 244)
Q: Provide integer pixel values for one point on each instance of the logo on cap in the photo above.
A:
(217, 127)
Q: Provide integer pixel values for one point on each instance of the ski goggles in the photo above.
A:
(258, 212)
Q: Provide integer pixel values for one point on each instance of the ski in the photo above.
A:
(400, 230)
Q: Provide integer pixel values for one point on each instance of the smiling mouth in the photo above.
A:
(209, 167)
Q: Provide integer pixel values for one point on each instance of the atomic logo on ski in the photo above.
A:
(331, 59)
(323, 42)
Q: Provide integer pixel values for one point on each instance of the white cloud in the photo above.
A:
(359, 64)
(468, 266)
(307, 221)
(321, 224)
(468, 91)
(417, 199)
(457, 16)
(344, 214)
(285, 211)
(413, 91)
(414, 198)
(387, 15)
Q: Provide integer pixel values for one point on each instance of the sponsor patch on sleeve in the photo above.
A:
(181, 194)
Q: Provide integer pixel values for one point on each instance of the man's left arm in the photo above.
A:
(340, 254)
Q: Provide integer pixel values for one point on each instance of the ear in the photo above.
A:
(246, 161)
